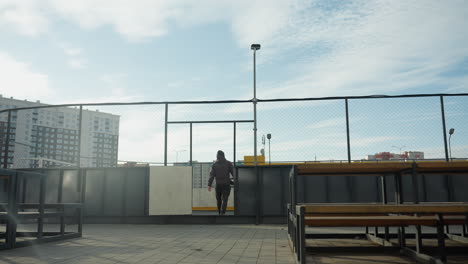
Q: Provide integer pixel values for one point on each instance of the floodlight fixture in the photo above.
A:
(255, 46)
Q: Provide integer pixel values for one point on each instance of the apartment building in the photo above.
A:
(49, 137)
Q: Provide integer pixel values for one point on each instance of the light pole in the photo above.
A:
(451, 131)
(255, 47)
(177, 154)
(269, 148)
(400, 148)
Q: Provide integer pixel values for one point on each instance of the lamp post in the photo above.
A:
(269, 148)
(400, 148)
(451, 131)
(177, 154)
(255, 47)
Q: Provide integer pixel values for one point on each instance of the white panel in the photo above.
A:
(170, 191)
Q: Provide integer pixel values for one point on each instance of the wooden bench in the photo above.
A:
(378, 215)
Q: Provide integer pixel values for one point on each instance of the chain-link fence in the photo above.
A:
(341, 129)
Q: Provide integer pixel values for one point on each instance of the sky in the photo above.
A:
(157, 50)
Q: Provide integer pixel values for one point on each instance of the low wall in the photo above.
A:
(203, 199)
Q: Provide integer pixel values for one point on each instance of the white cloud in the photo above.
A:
(77, 63)
(72, 51)
(334, 122)
(140, 19)
(76, 59)
(374, 47)
(19, 80)
(26, 17)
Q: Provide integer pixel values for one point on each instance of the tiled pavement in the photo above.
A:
(209, 244)
(163, 244)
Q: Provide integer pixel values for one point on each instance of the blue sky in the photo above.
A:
(101, 51)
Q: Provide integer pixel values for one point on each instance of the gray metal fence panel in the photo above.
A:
(136, 188)
(113, 191)
(274, 191)
(365, 189)
(94, 192)
(70, 188)
(435, 187)
(459, 186)
(338, 188)
(52, 186)
(246, 194)
(317, 189)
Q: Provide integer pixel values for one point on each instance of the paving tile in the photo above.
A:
(162, 244)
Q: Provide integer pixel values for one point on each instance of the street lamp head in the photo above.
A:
(255, 46)
(452, 130)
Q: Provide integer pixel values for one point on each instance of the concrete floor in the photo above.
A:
(209, 244)
(162, 244)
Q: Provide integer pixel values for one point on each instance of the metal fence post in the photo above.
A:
(444, 127)
(191, 138)
(165, 135)
(80, 124)
(234, 159)
(7, 141)
(347, 131)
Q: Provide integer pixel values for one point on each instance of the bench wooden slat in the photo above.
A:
(369, 221)
(385, 209)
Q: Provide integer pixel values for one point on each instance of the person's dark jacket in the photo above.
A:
(221, 170)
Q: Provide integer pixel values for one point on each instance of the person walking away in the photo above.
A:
(221, 171)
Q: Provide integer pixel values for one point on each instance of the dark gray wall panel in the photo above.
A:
(113, 198)
(338, 188)
(390, 188)
(3, 190)
(365, 189)
(135, 191)
(272, 191)
(246, 194)
(70, 192)
(52, 186)
(459, 185)
(94, 192)
(436, 188)
(314, 189)
(32, 189)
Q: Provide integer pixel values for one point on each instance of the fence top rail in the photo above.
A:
(443, 208)
(390, 167)
(235, 101)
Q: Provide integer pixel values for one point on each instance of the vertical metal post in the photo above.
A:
(82, 209)
(414, 175)
(441, 239)
(191, 144)
(12, 210)
(347, 131)
(255, 106)
(235, 128)
(165, 135)
(60, 200)
(383, 183)
(42, 194)
(80, 123)
(7, 141)
(444, 127)
(124, 198)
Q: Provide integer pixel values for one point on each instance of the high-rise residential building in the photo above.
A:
(50, 136)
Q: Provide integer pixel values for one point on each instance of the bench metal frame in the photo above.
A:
(297, 226)
(12, 213)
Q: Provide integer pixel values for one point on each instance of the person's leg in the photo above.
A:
(225, 196)
(218, 197)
